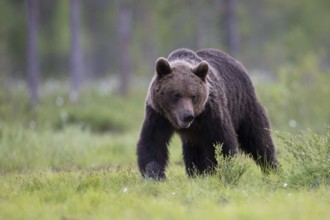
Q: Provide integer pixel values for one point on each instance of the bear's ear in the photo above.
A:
(162, 67)
(201, 70)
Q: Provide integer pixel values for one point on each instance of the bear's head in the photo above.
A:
(179, 91)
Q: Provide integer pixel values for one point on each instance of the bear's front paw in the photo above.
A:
(154, 171)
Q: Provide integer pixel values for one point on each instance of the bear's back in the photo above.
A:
(221, 60)
(229, 69)
(231, 77)
(186, 55)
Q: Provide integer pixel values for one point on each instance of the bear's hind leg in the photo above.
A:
(255, 139)
(198, 160)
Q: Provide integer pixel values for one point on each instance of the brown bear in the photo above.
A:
(207, 98)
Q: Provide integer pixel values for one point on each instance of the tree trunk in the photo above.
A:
(148, 41)
(97, 56)
(76, 55)
(32, 51)
(230, 20)
(124, 46)
(199, 14)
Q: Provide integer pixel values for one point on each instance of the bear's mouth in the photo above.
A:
(184, 121)
(183, 124)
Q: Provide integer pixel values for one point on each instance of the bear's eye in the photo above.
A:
(194, 98)
(176, 97)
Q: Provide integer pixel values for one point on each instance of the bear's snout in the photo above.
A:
(185, 119)
(188, 118)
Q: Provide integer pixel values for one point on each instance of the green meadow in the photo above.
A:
(60, 160)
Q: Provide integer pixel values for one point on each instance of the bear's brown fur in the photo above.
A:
(207, 98)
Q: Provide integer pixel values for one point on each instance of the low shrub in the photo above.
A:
(308, 158)
(230, 170)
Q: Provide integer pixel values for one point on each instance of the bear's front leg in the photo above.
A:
(152, 148)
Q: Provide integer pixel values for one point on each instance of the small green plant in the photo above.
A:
(230, 169)
(308, 156)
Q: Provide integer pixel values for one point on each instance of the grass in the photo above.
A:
(64, 161)
(121, 194)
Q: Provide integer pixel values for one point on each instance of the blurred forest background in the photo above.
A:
(64, 46)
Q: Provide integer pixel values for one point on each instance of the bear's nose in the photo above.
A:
(188, 118)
